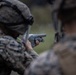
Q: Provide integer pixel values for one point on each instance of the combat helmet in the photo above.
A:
(13, 19)
(57, 7)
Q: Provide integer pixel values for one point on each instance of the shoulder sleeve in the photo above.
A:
(13, 54)
(44, 65)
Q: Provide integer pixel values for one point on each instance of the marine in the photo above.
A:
(61, 58)
(15, 20)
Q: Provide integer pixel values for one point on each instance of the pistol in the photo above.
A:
(36, 37)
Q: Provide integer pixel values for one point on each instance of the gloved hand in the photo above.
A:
(29, 46)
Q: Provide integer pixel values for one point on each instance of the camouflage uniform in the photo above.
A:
(61, 59)
(52, 61)
(15, 16)
(14, 56)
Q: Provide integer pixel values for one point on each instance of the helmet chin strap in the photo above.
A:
(56, 26)
(56, 6)
(26, 35)
(59, 31)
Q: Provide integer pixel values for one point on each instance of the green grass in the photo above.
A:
(42, 16)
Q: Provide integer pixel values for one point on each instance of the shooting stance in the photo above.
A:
(61, 59)
(15, 20)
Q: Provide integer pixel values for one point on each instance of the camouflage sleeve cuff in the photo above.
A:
(33, 53)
